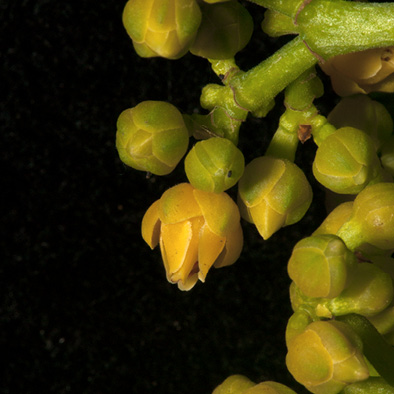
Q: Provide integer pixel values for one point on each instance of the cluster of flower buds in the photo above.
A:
(344, 267)
(214, 29)
(342, 275)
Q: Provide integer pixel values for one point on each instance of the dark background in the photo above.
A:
(85, 306)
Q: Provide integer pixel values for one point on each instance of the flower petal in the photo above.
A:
(266, 219)
(150, 227)
(174, 242)
(178, 204)
(232, 250)
(219, 210)
(210, 246)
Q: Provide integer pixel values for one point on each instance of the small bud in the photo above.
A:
(362, 72)
(152, 137)
(196, 230)
(297, 324)
(335, 219)
(225, 29)
(369, 293)
(387, 156)
(273, 193)
(326, 357)
(163, 28)
(234, 384)
(320, 265)
(214, 165)
(363, 113)
(269, 387)
(372, 218)
(346, 161)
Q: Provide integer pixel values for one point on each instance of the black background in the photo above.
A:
(85, 306)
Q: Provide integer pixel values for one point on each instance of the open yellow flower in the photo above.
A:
(367, 71)
(196, 230)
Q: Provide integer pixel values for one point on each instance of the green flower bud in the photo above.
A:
(152, 137)
(225, 29)
(373, 385)
(234, 384)
(335, 219)
(370, 292)
(273, 193)
(346, 161)
(363, 113)
(214, 165)
(320, 265)
(326, 357)
(297, 323)
(372, 218)
(269, 388)
(163, 28)
(387, 156)
(215, 1)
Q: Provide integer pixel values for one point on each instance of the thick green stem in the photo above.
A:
(257, 88)
(376, 349)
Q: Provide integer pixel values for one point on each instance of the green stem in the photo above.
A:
(379, 353)
(257, 88)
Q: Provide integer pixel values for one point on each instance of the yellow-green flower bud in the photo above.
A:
(196, 230)
(225, 29)
(165, 28)
(269, 387)
(152, 137)
(370, 292)
(335, 219)
(363, 113)
(297, 323)
(372, 218)
(362, 72)
(273, 193)
(234, 384)
(215, 1)
(346, 161)
(214, 165)
(320, 265)
(326, 357)
(387, 156)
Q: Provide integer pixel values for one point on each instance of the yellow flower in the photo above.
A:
(362, 72)
(195, 230)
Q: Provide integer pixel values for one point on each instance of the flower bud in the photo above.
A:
(234, 384)
(152, 137)
(346, 161)
(273, 193)
(326, 357)
(196, 230)
(214, 165)
(335, 219)
(372, 218)
(369, 293)
(362, 72)
(387, 156)
(297, 323)
(363, 113)
(225, 29)
(269, 387)
(163, 28)
(320, 265)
